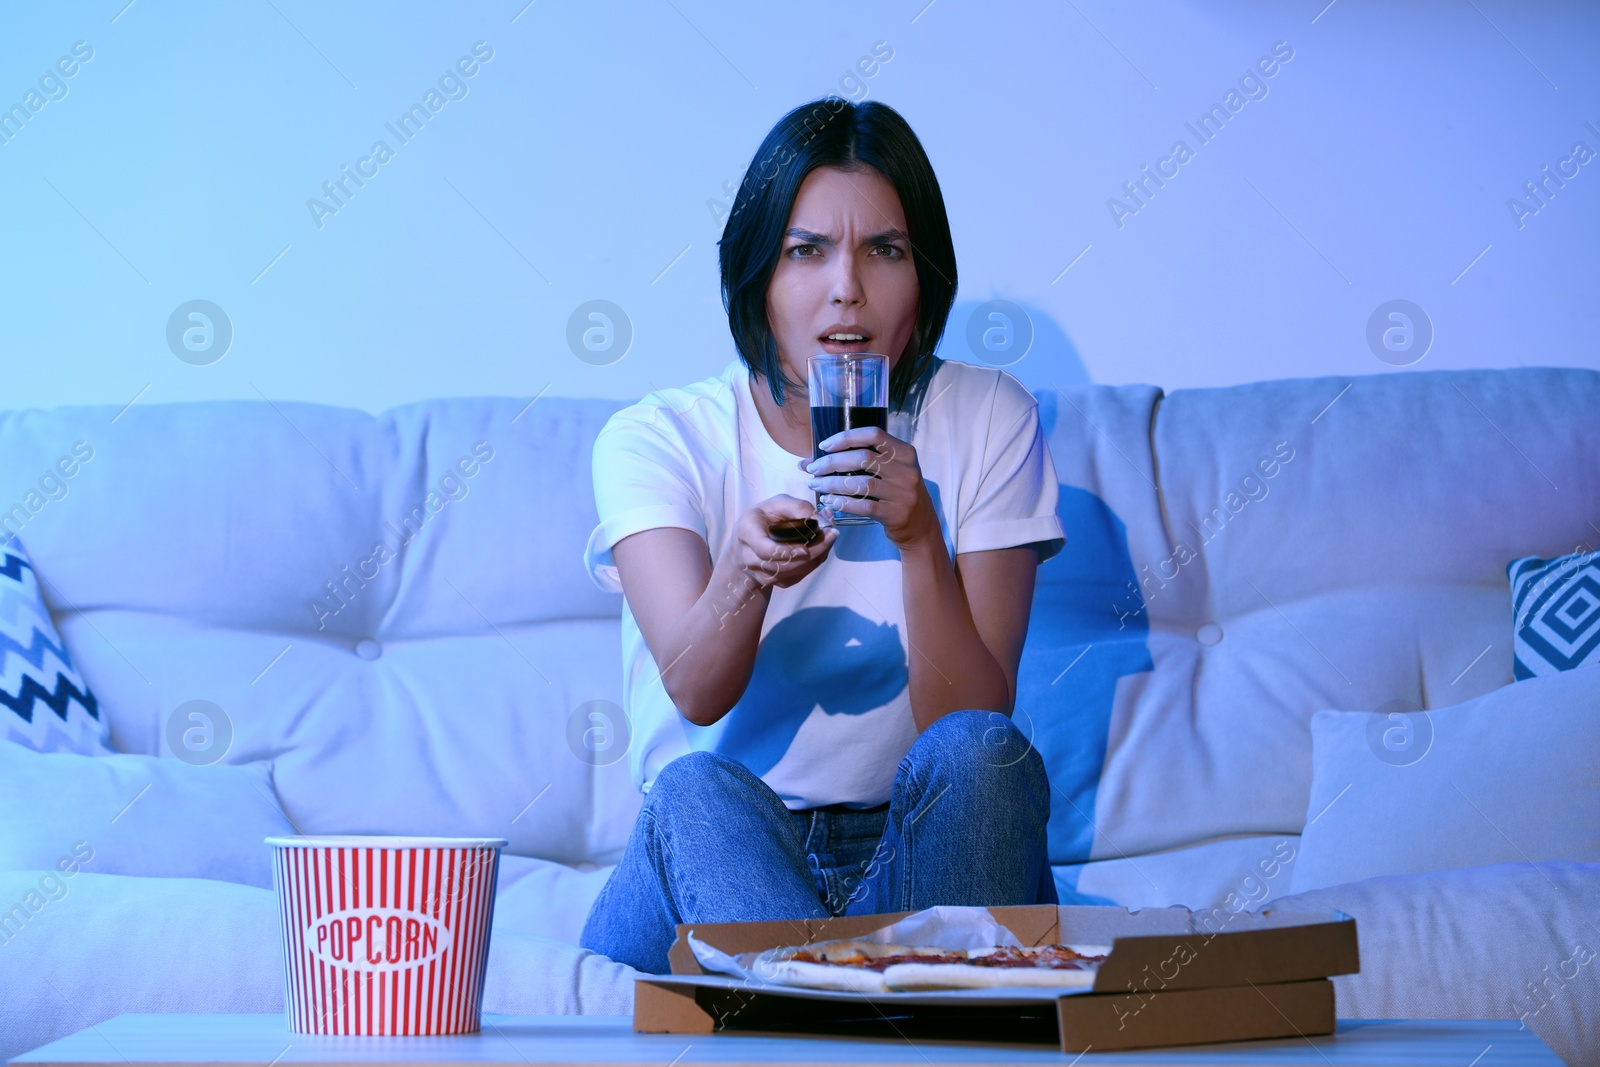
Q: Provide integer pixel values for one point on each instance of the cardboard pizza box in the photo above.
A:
(1173, 977)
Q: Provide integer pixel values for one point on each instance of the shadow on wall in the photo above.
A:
(1075, 653)
(1077, 648)
(1022, 338)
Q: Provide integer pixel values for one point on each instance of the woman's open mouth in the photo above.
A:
(839, 342)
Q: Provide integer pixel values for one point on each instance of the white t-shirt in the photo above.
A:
(826, 717)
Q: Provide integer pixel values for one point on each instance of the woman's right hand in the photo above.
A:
(768, 562)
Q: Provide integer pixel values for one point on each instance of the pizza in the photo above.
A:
(1041, 966)
(873, 967)
(850, 966)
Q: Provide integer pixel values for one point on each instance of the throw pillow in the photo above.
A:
(142, 815)
(1555, 607)
(1508, 777)
(44, 702)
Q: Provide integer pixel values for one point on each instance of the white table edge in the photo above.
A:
(147, 1040)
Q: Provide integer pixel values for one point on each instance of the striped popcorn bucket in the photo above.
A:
(385, 935)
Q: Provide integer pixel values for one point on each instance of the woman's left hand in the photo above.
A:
(893, 491)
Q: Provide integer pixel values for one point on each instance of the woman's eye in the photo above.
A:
(891, 249)
(797, 248)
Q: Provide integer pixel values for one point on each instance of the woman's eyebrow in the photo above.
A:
(824, 239)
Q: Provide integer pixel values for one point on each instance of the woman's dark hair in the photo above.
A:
(833, 132)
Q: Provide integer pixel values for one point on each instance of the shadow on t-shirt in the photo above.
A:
(832, 657)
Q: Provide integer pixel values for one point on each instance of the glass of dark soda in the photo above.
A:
(846, 390)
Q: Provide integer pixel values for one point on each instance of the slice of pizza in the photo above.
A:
(1041, 966)
(871, 967)
(849, 965)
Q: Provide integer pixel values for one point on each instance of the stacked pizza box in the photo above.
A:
(1072, 976)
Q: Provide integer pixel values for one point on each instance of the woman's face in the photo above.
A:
(845, 267)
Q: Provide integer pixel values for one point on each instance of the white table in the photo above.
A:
(536, 1041)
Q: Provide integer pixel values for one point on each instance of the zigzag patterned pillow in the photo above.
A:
(1555, 606)
(44, 703)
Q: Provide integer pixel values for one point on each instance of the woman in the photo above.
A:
(824, 729)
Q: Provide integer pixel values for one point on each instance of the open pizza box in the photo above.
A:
(1172, 977)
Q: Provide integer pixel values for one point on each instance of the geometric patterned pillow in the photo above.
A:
(44, 703)
(1555, 606)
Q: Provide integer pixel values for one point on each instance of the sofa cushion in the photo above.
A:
(1227, 575)
(139, 815)
(44, 702)
(1555, 607)
(1508, 776)
(546, 899)
(457, 735)
(276, 502)
(101, 945)
(1369, 568)
(1232, 872)
(533, 975)
(1509, 941)
(1221, 593)
(392, 607)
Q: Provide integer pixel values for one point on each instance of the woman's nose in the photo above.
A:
(846, 287)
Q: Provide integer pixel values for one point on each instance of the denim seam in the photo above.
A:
(915, 789)
(663, 861)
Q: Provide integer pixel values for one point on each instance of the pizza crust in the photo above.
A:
(901, 977)
(824, 976)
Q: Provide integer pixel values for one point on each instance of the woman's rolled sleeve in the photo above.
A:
(642, 481)
(1017, 494)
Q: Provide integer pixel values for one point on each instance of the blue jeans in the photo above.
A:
(965, 824)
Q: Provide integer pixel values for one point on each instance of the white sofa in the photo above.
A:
(227, 552)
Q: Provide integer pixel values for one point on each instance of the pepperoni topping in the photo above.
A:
(880, 963)
(1054, 957)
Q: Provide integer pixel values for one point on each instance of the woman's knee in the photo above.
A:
(987, 736)
(699, 779)
(981, 741)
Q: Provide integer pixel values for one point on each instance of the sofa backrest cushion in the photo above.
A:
(390, 607)
(1237, 559)
(1294, 545)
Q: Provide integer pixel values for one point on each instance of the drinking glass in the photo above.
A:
(847, 391)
